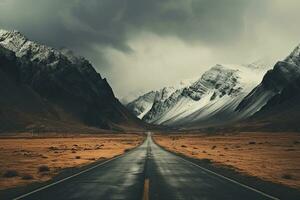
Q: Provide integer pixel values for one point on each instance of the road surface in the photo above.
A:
(148, 172)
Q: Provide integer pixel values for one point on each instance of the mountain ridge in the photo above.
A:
(69, 83)
(204, 100)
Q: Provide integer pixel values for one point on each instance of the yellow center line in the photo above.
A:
(146, 190)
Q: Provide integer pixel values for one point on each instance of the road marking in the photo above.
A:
(146, 190)
(72, 176)
(231, 180)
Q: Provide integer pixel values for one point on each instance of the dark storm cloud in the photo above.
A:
(127, 40)
(209, 21)
(80, 23)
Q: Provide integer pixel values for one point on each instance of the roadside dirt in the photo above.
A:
(273, 157)
(26, 160)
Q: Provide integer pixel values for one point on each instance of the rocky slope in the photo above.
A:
(20, 106)
(278, 96)
(69, 84)
(210, 100)
(284, 73)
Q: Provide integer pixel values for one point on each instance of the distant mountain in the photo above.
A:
(210, 100)
(66, 87)
(140, 106)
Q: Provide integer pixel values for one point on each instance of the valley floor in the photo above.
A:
(273, 157)
(24, 160)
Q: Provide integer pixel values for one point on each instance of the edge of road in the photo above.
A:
(267, 189)
(65, 174)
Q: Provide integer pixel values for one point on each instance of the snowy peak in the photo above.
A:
(219, 78)
(15, 41)
(294, 57)
(18, 43)
(12, 40)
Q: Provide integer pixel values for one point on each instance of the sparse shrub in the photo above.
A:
(10, 174)
(126, 150)
(225, 148)
(27, 177)
(203, 151)
(252, 142)
(183, 146)
(296, 142)
(43, 168)
(52, 148)
(213, 147)
(287, 176)
(99, 146)
(77, 157)
(195, 148)
(290, 150)
(73, 151)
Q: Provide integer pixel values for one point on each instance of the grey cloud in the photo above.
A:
(111, 22)
(232, 30)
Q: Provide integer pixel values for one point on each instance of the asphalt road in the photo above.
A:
(148, 172)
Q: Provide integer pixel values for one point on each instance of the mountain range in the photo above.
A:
(49, 90)
(209, 100)
(249, 96)
(44, 89)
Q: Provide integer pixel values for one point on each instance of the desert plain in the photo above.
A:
(24, 160)
(273, 157)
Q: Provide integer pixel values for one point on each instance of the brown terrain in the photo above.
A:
(24, 160)
(273, 157)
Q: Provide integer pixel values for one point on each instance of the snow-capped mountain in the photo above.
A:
(70, 84)
(212, 99)
(142, 104)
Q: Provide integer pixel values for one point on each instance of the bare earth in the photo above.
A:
(26, 160)
(269, 156)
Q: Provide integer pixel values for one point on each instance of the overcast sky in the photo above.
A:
(139, 45)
